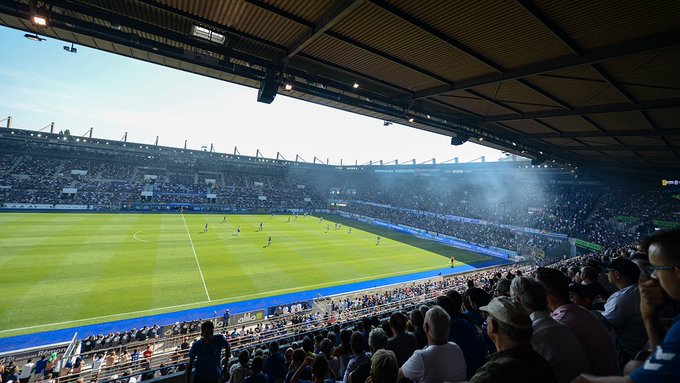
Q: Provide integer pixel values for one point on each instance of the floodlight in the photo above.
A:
(355, 85)
(288, 87)
(70, 49)
(411, 119)
(40, 21)
(481, 138)
(34, 37)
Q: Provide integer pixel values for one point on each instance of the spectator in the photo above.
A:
(588, 329)
(553, 341)
(509, 328)
(298, 359)
(13, 376)
(589, 277)
(463, 334)
(441, 360)
(40, 366)
(622, 309)
(384, 367)
(662, 365)
(26, 371)
(239, 371)
(275, 364)
(206, 353)
(258, 376)
(417, 320)
(319, 370)
(402, 342)
(148, 352)
(359, 354)
(333, 362)
(377, 340)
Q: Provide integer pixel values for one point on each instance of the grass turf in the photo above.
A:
(61, 267)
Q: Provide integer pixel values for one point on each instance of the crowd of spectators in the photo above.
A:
(482, 234)
(36, 179)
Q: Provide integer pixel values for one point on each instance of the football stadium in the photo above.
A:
(551, 253)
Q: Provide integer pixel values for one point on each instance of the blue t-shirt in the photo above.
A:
(465, 336)
(40, 366)
(275, 367)
(207, 357)
(664, 363)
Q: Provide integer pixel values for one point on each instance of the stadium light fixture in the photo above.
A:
(288, 87)
(70, 49)
(356, 85)
(39, 20)
(481, 138)
(428, 116)
(34, 37)
(514, 144)
(411, 119)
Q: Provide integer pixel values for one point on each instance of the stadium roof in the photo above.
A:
(588, 83)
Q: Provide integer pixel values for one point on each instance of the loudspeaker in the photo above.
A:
(268, 88)
(460, 139)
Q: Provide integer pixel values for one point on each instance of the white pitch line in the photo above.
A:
(196, 257)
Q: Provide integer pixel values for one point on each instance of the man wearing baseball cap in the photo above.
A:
(622, 309)
(509, 327)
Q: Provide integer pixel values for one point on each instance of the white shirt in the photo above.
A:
(26, 370)
(622, 310)
(97, 364)
(559, 346)
(435, 364)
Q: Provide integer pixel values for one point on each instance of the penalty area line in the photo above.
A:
(196, 258)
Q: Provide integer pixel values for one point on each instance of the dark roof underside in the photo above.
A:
(588, 83)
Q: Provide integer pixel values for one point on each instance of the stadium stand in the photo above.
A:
(113, 182)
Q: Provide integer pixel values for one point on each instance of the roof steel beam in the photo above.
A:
(548, 24)
(537, 14)
(325, 22)
(613, 83)
(597, 133)
(661, 40)
(544, 93)
(387, 56)
(593, 109)
(493, 101)
(438, 34)
(615, 147)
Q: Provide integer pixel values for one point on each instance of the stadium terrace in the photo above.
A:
(529, 217)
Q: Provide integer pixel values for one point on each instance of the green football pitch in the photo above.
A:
(64, 269)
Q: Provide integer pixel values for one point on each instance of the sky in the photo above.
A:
(42, 83)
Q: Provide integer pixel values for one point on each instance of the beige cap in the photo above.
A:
(508, 311)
